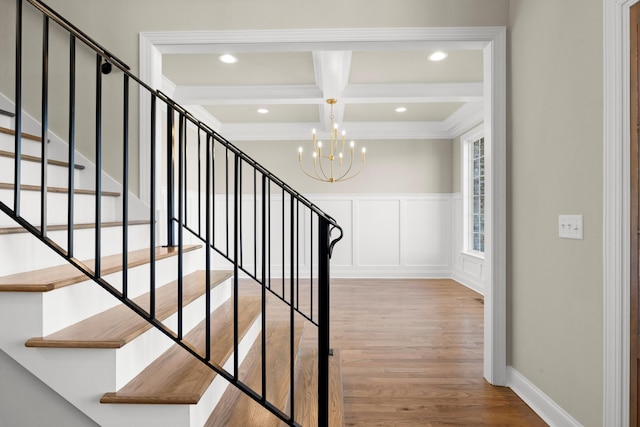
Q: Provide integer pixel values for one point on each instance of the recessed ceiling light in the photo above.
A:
(263, 110)
(401, 109)
(228, 58)
(438, 56)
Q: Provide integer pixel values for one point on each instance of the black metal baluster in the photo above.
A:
(297, 253)
(72, 144)
(283, 241)
(208, 246)
(269, 232)
(98, 199)
(44, 126)
(199, 185)
(264, 287)
(181, 200)
(152, 213)
(255, 223)
(213, 189)
(240, 220)
(292, 356)
(311, 260)
(171, 162)
(18, 120)
(236, 270)
(226, 181)
(125, 188)
(323, 322)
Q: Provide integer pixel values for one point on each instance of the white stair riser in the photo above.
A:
(200, 413)
(83, 212)
(138, 354)
(84, 247)
(60, 307)
(6, 121)
(27, 146)
(57, 176)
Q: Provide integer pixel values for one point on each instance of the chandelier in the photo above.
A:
(329, 163)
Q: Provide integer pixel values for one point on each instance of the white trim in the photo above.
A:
(616, 260)
(543, 405)
(491, 39)
(495, 298)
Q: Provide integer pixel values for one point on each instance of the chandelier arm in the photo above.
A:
(307, 173)
(342, 177)
(355, 174)
(321, 169)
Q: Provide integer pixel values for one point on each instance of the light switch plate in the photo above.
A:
(570, 227)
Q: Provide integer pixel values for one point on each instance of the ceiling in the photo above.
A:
(443, 99)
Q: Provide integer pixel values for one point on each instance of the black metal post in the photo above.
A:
(323, 321)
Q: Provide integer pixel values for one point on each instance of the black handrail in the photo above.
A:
(256, 261)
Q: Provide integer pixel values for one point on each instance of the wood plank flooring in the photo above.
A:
(412, 353)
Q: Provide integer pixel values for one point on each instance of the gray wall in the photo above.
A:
(555, 167)
(40, 405)
(391, 167)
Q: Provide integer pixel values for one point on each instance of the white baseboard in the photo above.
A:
(467, 280)
(542, 404)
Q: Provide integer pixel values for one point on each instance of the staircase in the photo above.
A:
(207, 305)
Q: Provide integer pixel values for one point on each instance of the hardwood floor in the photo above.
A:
(411, 353)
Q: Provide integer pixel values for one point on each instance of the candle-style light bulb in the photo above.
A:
(299, 153)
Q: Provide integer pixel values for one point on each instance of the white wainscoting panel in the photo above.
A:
(467, 269)
(401, 236)
(377, 229)
(391, 235)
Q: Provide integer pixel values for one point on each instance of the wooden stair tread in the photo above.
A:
(177, 377)
(235, 409)
(36, 159)
(48, 279)
(25, 135)
(119, 325)
(62, 227)
(306, 397)
(29, 187)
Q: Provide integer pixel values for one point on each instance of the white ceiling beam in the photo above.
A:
(332, 75)
(249, 95)
(413, 93)
(357, 131)
(313, 94)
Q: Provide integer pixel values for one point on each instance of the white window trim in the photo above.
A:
(465, 141)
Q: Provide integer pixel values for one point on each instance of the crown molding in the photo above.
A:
(317, 39)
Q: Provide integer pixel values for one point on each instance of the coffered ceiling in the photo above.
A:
(369, 80)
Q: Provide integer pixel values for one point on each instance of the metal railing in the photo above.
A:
(244, 216)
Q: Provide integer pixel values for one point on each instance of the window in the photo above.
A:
(476, 202)
(473, 191)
